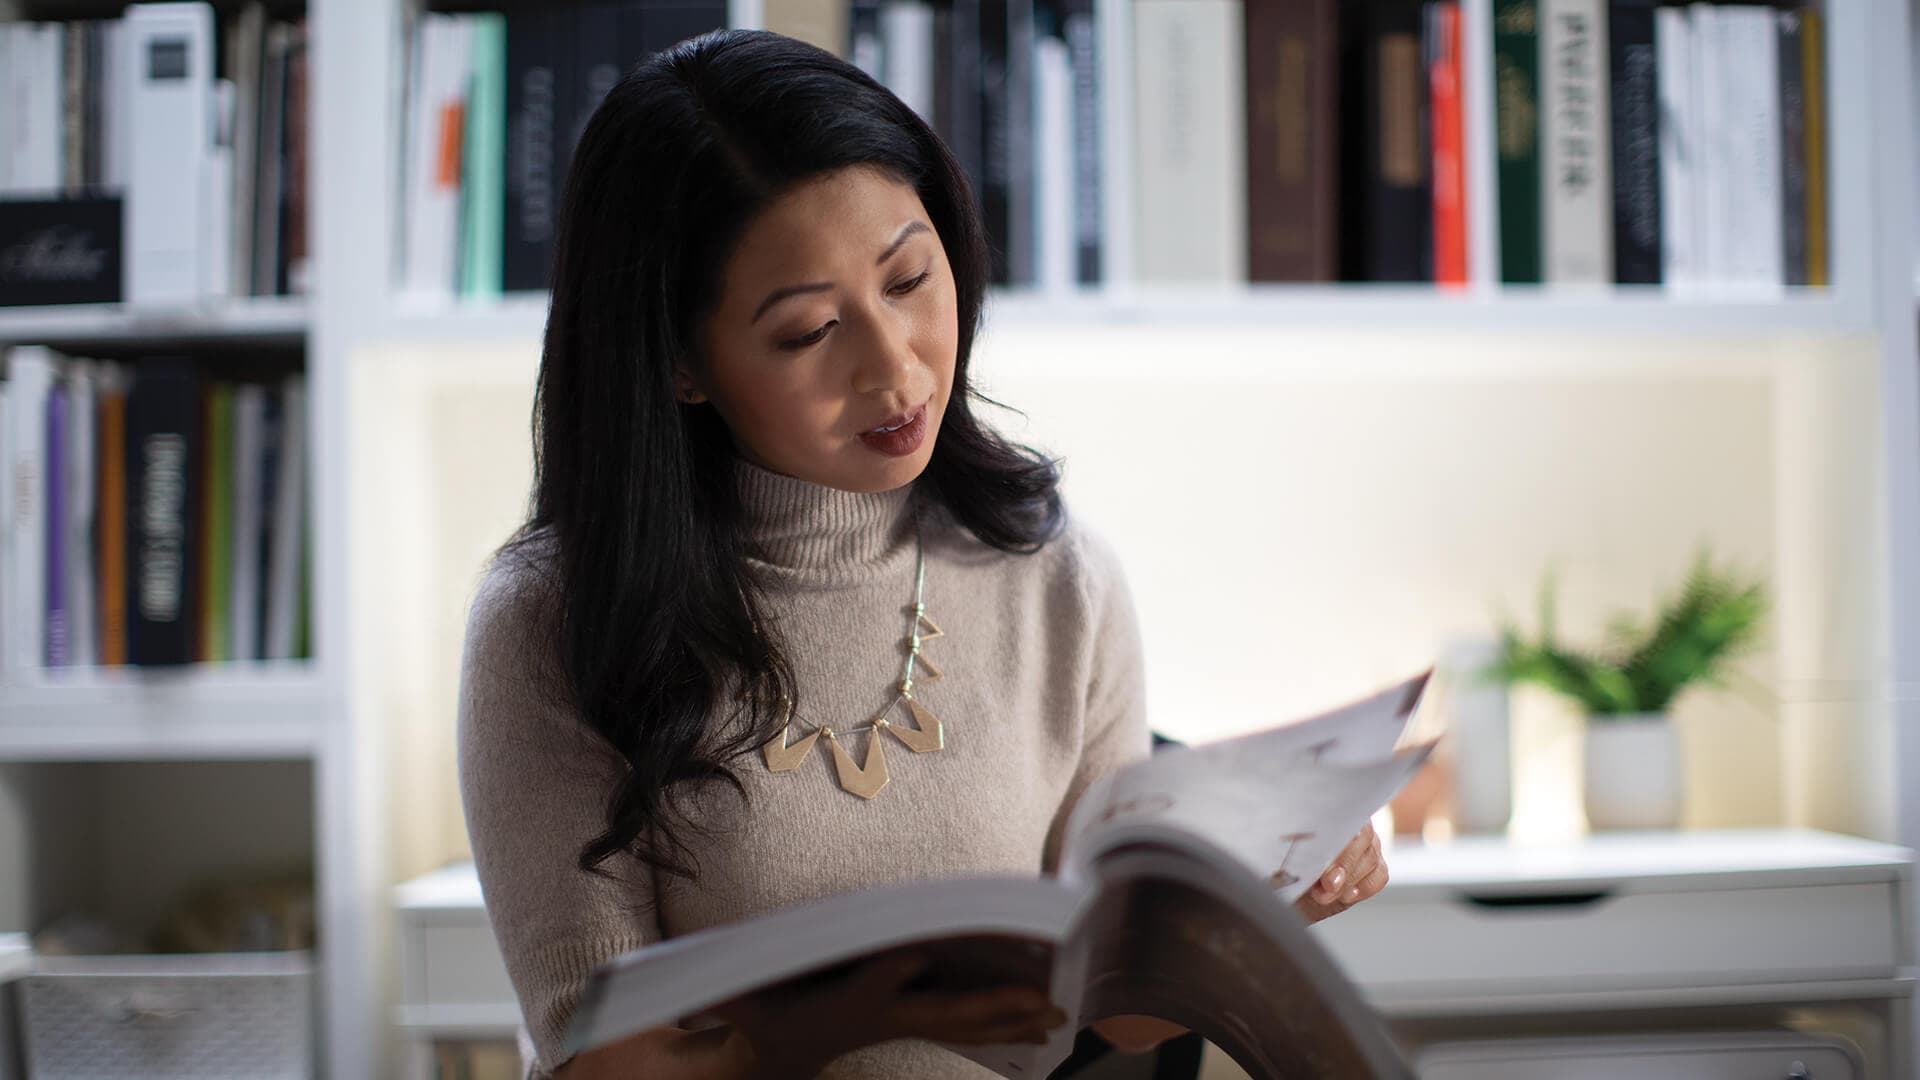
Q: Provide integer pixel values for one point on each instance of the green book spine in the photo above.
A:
(1516, 95)
(220, 522)
(483, 168)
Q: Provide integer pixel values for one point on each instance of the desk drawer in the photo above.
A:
(1618, 939)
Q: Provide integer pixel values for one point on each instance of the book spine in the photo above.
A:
(669, 22)
(530, 198)
(1389, 223)
(30, 374)
(1190, 189)
(600, 34)
(907, 65)
(1680, 149)
(112, 592)
(82, 511)
(1516, 92)
(1054, 244)
(1081, 28)
(260, 552)
(289, 526)
(249, 449)
(162, 443)
(8, 615)
(217, 541)
(216, 273)
(269, 158)
(58, 651)
(866, 43)
(1577, 203)
(820, 22)
(170, 113)
(1006, 135)
(294, 268)
(1793, 150)
(73, 108)
(1292, 136)
(482, 177)
(1750, 68)
(1449, 145)
(1634, 79)
(1813, 92)
(959, 91)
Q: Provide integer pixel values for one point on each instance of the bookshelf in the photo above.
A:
(337, 715)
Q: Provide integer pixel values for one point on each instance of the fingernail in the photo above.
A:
(1353, 895)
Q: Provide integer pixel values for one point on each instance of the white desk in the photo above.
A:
(1480, 937)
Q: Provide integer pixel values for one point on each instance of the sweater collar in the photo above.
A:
(819, 531)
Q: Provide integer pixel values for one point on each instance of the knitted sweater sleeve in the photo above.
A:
(1114, 715)
(534, 784)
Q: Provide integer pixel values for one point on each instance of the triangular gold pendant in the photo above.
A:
(864, 781)
(783, 758)
(928, 666)
(927, 621)
(931, 735)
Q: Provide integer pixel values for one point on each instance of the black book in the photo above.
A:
(1388, 221)
(666, 23)
(536, 49)
(273, 429)
(956, 103)
(163, 448)
(1634, 70)
(1793, 149)
(1006, 137)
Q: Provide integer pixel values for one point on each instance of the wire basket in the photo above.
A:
(210, 1016)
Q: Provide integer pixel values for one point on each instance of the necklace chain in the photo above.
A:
(904, 691)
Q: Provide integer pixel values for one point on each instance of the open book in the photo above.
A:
(1174, 899)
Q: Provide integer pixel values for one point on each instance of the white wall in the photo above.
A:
(1304, 515)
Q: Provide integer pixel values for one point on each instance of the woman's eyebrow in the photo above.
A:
(907, 232)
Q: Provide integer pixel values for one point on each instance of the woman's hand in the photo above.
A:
(1359, 872)
(801, 1030)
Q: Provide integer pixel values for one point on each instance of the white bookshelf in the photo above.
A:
(277, 320)
(332, 713)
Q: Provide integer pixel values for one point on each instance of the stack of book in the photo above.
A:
(156, 516)
(202, 142)
(1679, 145)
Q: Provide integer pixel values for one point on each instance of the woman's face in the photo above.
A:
(835, 322)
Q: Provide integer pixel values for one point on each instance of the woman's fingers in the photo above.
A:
(951, 1016)
(1348, 867)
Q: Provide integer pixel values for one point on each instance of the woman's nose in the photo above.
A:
(886, 356)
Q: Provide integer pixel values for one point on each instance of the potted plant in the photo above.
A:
(1627, 687)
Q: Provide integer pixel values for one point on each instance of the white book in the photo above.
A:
(289, 524)
(1679, 149)
(248, 518)
(246, 46)
(1576, 169)
(170, 85)
(7, 589)
(35, 88)
(445, 53)
(83, 644)
(1198, 851)
(113, 116)
(1750, 70)
(219, 205)
(8, 69)
(1711, 179)
(1053, 204)
(30, 374)
(906, 33)
(1190, 160)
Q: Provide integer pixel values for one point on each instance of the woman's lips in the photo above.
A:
(902, 440)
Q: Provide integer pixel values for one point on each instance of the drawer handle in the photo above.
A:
(1539, 900)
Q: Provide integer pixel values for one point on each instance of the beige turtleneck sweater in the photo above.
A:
(1042, 693)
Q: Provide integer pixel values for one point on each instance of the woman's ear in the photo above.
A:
(685, 390)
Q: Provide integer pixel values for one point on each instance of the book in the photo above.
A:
(288, 531)
(170, 132)
(112, 548)
(1387, 220)
(1680, 149)
(1813, 94)
(1634, 78)
(81, 500)
(1293, 137)
(1793, 150)
(1516, 95)
(1190, 170)
(1577, 176)
(1080, 27)
(483, 168)
(539, 40)
(31, 370)
(58, 646)
(162, 446)
(1448, 141)
(1173, 899)
(1749, 70)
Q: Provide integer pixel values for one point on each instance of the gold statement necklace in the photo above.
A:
(867, 780)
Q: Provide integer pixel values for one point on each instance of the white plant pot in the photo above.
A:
(1633, 772)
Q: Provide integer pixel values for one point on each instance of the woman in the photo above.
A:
(786, 619)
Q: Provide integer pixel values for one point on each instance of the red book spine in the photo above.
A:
(1449, 149)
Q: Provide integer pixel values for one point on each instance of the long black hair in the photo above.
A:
(634, 522)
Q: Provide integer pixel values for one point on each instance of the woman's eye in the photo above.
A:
(911, 284)
(809, 339)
